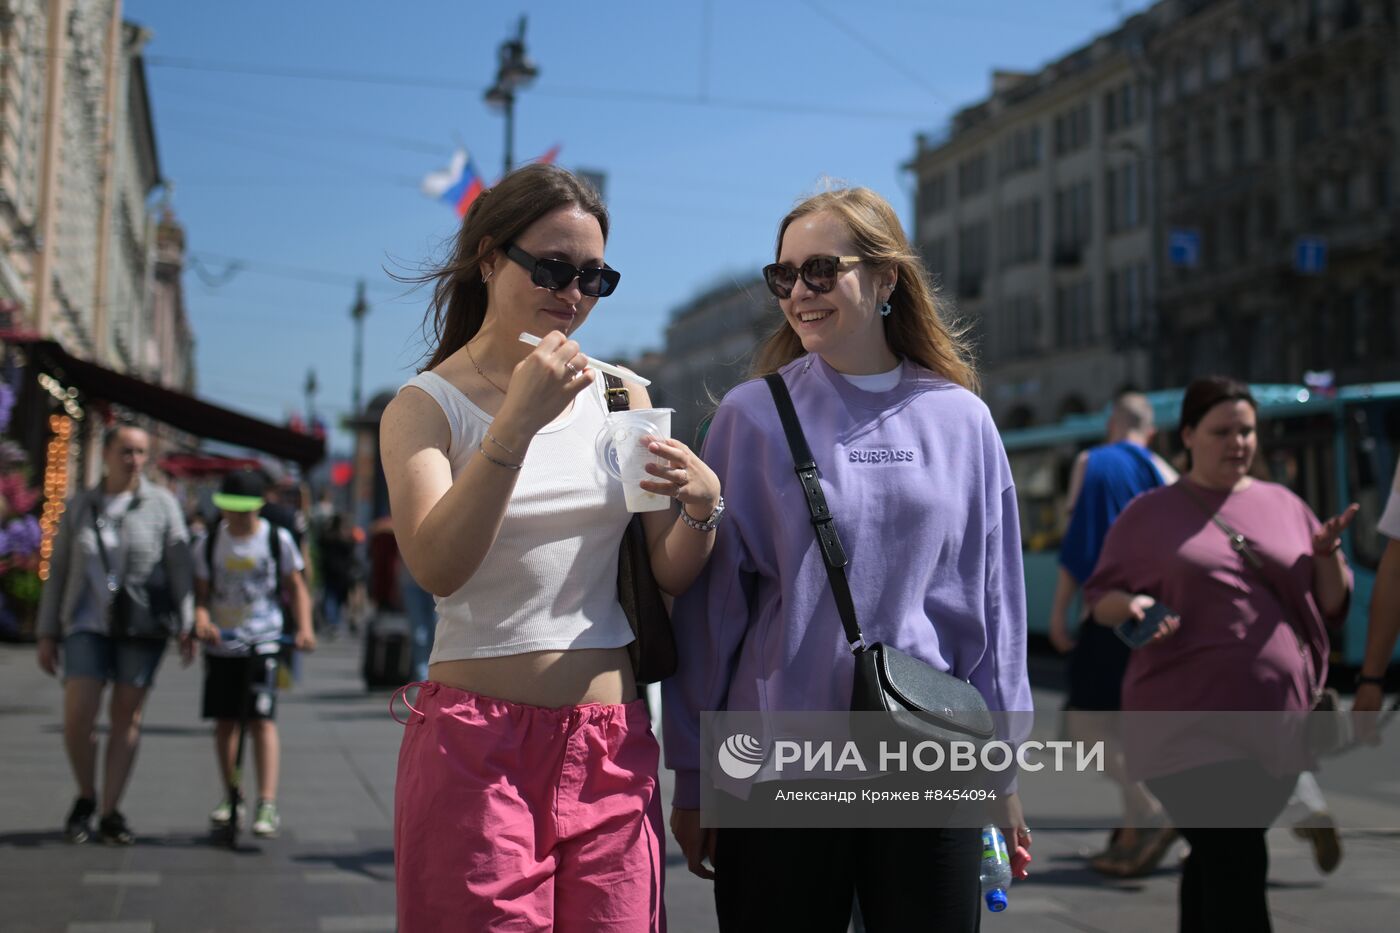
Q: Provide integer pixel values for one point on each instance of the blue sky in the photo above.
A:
(709, 117)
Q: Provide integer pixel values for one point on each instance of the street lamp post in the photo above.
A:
(514, 71)
(357, 314)
(309, 389)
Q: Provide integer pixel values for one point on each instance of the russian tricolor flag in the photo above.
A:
(456, 186)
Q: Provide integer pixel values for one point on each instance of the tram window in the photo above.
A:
(1373, 441)
(1297, 453)
(1042, 485)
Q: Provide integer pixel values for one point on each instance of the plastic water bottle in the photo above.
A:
(996, 869)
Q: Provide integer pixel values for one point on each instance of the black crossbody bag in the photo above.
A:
(928, 704)
(149, 615)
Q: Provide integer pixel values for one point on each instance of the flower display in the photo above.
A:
(20, 533)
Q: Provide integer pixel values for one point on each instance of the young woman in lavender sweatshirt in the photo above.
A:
(916, 476)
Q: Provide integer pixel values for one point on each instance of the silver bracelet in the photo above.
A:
(501, 463)
(492, 438)
(709, 524)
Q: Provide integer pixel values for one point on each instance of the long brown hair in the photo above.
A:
(919, 326)
(497, 216)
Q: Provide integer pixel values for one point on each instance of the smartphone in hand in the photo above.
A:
(1138, 632)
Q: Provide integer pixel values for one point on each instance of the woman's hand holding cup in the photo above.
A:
(683, 477)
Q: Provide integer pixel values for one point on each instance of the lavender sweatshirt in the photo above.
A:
(918, 482)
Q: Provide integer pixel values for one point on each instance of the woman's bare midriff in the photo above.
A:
(545, 678)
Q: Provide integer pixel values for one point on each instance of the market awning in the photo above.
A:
(199, 466)
(176, 409)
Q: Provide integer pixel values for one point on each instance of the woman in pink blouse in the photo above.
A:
(1239, 638)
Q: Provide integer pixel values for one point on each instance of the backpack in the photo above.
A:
(274, 545)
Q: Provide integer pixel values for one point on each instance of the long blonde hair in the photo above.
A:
(918, 328)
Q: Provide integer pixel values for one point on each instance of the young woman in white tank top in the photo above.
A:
(527, 777)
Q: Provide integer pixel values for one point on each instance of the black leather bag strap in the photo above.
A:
(616, 392)
(113, 581)
(833, 554)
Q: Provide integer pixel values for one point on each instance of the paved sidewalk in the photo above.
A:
(332, 867)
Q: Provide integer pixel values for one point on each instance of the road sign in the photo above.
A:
(1184, 248)
(1310, 255)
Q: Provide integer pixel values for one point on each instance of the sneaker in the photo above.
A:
(78, 826)
(267, 821)
(220, 816)
(113, 831)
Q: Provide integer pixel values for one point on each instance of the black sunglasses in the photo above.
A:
(555, 274)
(819, 273)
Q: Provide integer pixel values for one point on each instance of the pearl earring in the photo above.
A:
(885, 309)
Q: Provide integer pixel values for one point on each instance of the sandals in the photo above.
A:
(1326, 844)
(1138, 860)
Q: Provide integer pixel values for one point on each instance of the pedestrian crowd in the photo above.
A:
(854, 482)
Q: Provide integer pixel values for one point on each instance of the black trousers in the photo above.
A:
(805, 879)
(1224, 879)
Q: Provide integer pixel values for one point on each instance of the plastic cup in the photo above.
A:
(622, 449)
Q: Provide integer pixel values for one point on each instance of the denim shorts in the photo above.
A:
(126, 661)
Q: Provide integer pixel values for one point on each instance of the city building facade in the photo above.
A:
(1033, 216)
(78, 168)
(1208, 188)
(1278, 126)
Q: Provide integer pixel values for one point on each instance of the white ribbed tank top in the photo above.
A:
(549, 582)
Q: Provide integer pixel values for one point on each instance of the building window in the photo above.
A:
(1237, 145)
(936, 256)
(1340, 105)
(1019, 331)
(1073, 130)
(1073, 219)
(1267, 220)
(1238, 221)
(1122, 188)
(1236, 52)
(1181, 177)
(1120, 108)
(1380, 96)
(972, 175)
(1020, 233)
(972, 259)
(1380, 186)
(1126, 296)
(1268, 135)
(1020, 151)
(1305, 128)
(1074, 315)
(933, 194)
(1207, 150)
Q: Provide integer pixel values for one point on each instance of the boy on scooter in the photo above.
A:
(241, 567)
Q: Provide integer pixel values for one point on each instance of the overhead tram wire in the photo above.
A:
(200, 261)
(299, 129)
(587, 93)
(877, 50)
